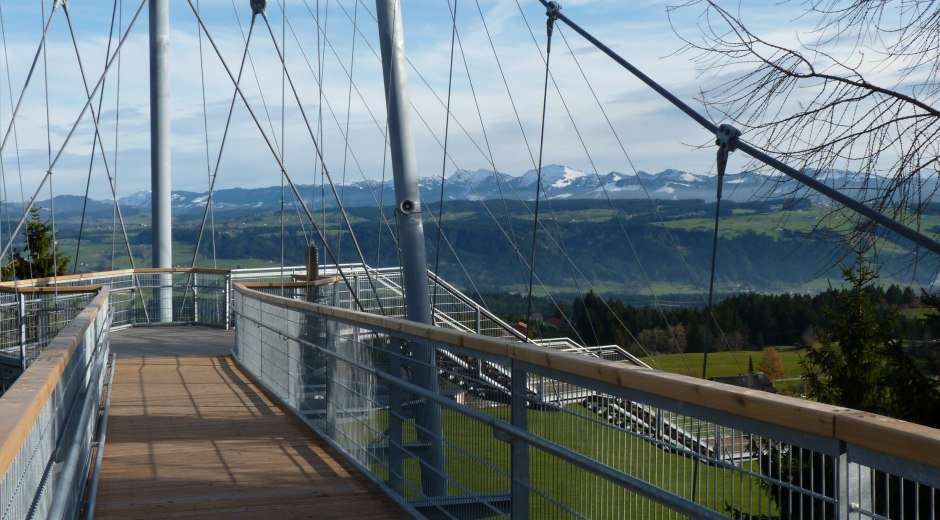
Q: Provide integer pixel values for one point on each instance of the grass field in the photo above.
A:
(478, 463)
(720, 363)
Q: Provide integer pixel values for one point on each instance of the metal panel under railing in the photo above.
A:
(567, 442)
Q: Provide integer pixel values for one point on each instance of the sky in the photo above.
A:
(496, 92)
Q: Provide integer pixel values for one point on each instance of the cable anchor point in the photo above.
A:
(258, 7)
(726, 137)
(551, 11)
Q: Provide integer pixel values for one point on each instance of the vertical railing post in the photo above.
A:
(42, 331)
(519, 493)
(195, 297)
(22, 312)
(842, 483)
(228, 301)
(395, 413)
(477, 327)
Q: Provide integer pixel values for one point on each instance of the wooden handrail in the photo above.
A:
(105, 274)
(55, 289)
(883, 434)
(323, 280)
(23, 402)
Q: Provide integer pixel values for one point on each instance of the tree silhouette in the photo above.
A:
(859, 92)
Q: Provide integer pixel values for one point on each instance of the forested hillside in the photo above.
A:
(628, 251)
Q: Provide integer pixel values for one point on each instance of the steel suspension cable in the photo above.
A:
(254, 73)
(503, 232)
(214, 175)
(560, 240)
(316, 145)
(319, 78)
(205, 127)
(98, 139)
(642, 184)
(29, 75)
(274, 153)
(283, 137)
(725, 146)
(440, 208)
(91, 159)
(321, 63)
(553, 8)
(117, 132)
(816, 185)
(610, 202)
(486, 138)
(104, 156)
(16, 141)
(71, 132)
(45, 81)
(510, 240)
(352, 63)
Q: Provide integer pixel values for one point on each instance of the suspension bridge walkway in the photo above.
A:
(279, 399)
(191, 435)
(206, 392)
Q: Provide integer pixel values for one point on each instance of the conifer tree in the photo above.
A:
(43, 257)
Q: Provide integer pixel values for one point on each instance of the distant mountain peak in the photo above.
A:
(559, 182)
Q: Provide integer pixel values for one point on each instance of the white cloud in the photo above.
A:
(654, 134)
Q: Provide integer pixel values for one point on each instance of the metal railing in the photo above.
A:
(32, 312)
(48, 420)
(597, 439)
(452, 308)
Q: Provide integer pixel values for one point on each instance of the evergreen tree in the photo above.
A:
(43, 257)
(860, 363)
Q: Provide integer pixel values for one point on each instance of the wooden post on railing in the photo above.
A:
(22, 306)
(519, 492)
(311, 262)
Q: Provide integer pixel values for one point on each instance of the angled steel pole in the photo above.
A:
(160, 154)
(411, 235)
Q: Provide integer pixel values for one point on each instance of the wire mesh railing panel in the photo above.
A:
(46, 476)
(29, 319)
(477, 443)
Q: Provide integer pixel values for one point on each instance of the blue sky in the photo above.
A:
(655, 135)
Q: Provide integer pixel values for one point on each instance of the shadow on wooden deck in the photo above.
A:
(192, 436)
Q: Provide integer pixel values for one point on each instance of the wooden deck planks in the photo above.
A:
(194, 437)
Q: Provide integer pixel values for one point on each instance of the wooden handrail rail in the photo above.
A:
(104, 274)
(23, 402)
(54, 289)
(883, 434)
(323, 280)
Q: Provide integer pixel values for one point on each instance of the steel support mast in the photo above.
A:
(411, 234)
(160, 155)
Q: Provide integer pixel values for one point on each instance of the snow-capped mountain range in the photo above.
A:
(558, 182)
